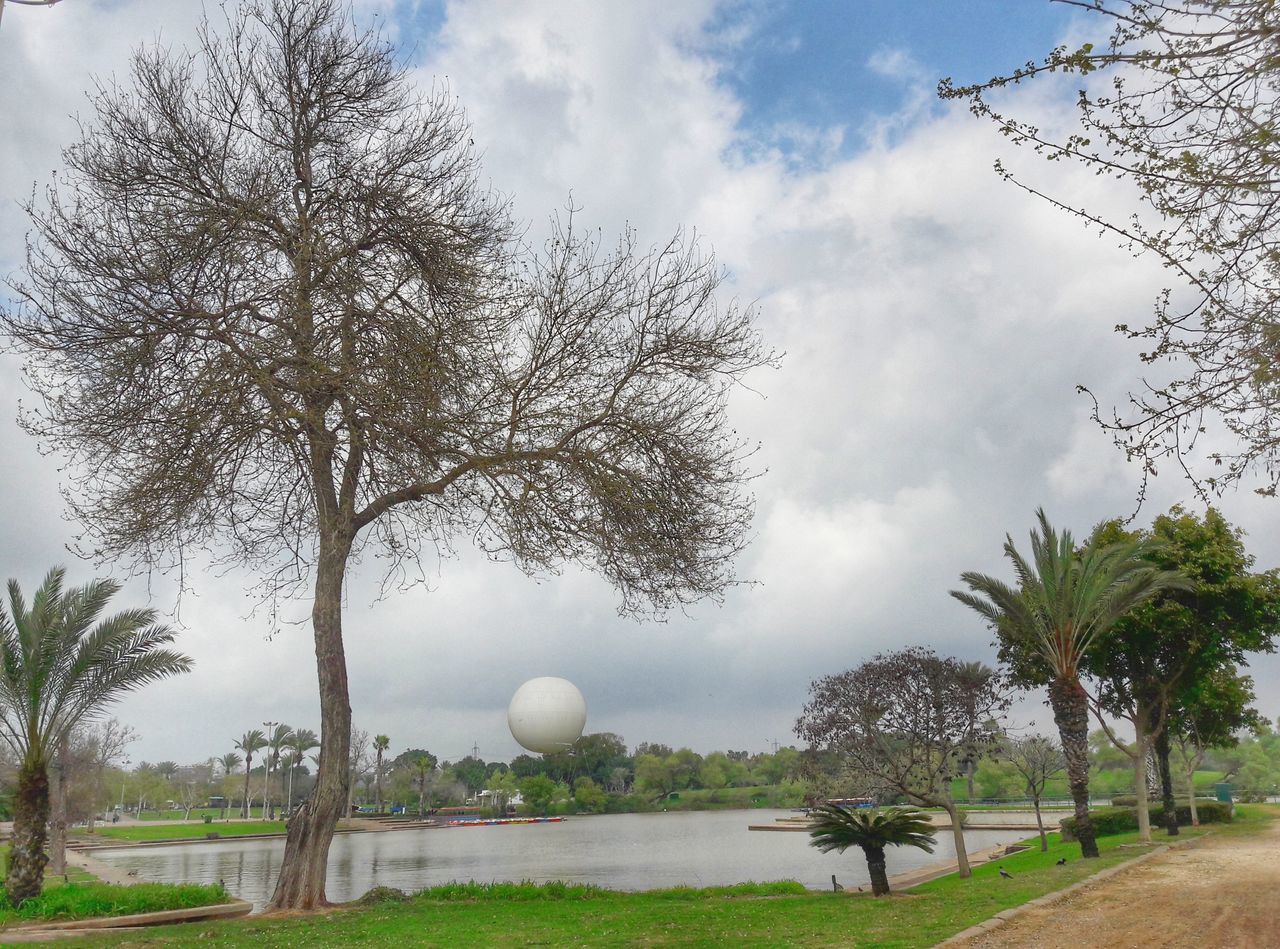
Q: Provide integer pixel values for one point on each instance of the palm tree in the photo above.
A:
(839, 828)
(57, 669)
(250, 743)
(299, 743)
(973, 675)
(380, 744)
(1065, 600)
(275, 742)
(167, 769)
(229, 762)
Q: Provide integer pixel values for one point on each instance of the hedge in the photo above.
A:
(1123, 820)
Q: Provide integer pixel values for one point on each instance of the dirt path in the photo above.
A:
(1223, 892)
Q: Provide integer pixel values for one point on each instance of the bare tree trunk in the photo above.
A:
(306, 852)
(1191, 793)
(1166, 783)
(957, 834)
(1071, 714)
(30, 817)
(244, 805)
(1044, 841)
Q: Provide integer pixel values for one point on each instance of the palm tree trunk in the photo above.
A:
(1071, 714)
(306, 851)
(30, 816)
(876, 869)
(244, 805)
(1166, 783)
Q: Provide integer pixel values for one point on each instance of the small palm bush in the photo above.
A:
(839, 828)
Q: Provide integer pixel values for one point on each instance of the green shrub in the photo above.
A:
(1123, 820)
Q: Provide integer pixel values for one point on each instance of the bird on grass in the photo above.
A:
(836, 887)
(1006, 874)
(1062, 862)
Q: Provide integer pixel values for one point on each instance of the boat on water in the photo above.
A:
(501, 821)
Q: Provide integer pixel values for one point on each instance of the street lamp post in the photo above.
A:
(266, 772)
(125, 764)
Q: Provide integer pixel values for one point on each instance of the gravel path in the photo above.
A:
(1224, 892)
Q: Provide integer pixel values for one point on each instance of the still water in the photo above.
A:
(618, 851)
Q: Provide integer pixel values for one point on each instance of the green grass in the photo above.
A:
(87, 900)
(749, 915)
(151, 832)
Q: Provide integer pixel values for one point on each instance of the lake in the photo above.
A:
(617, 851)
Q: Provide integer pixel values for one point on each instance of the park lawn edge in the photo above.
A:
(484, 915)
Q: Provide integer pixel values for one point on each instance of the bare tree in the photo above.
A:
(907, 721)
(1037, 759)
(271, 315)
(1183, 105)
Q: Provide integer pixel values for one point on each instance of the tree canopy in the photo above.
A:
(272, 314)
(1180, 101)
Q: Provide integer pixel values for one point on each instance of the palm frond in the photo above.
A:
(839, 828)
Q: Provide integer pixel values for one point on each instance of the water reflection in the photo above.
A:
(621, 851)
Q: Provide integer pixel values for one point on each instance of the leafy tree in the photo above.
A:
(839, 828)
(472, 772)
(59, 666)
(1036, 759)
(599, 753)
(380, 745)
(655, 775)
(538, 792)
(1189, 116)
(409, 758)
(902, 722)
(1065, 601)
(1211, 715)
(525, 766)
(654, 748)
(272, 314)
(1162, 649)
(588, 795)
(251, 742)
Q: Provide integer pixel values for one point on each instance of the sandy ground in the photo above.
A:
(1223, 892)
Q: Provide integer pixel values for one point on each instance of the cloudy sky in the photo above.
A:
(935, 324)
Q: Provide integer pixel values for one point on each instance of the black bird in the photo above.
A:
(1062, 862)
(1006, 874)
(836, 887)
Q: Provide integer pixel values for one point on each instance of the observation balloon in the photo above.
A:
(547, 715)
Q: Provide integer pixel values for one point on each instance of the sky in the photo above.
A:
(934, 322)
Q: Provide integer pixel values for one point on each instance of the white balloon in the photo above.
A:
(547, 714)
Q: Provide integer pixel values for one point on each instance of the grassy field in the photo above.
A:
(772, 914)
(191, 831)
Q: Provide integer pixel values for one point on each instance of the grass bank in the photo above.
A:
(768, 914)
(194, 831)
(62, 902)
